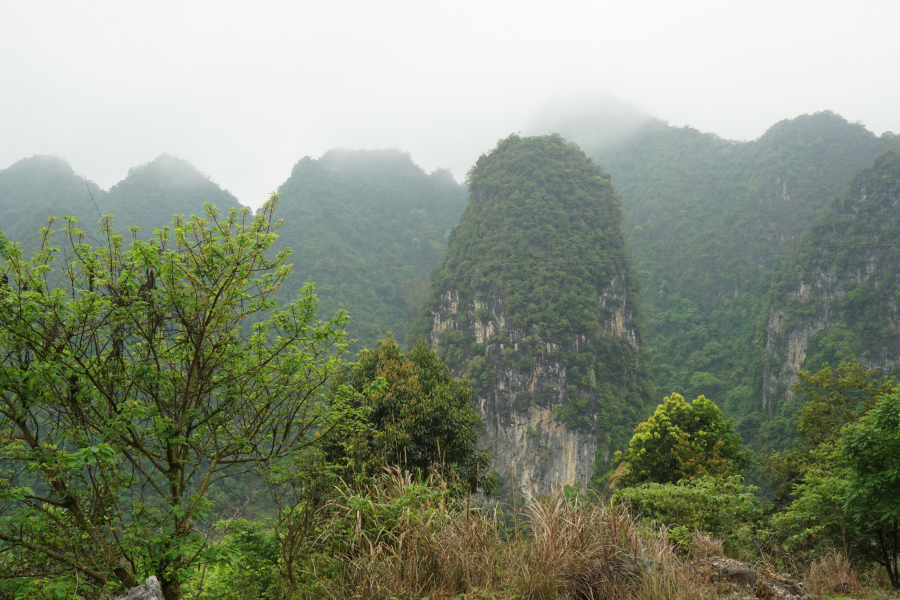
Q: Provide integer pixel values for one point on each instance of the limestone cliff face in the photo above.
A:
(534, 450)
(836, 298)
(535, 304)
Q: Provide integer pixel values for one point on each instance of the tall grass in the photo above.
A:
(832, 573)
(402, 538)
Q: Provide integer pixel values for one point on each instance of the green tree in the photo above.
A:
(848, 497)
(420, 417)
(832, 398)
(836, 398)
(869, 450)
(160, 369)
(720, 506)
(682, 440)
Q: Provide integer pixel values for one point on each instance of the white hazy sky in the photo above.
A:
(245, 89)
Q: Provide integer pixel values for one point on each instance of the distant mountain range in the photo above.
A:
(733, 245)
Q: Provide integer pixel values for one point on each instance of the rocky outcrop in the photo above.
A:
(836, 297)
(735, 579)
(149, 591)
(535, 304)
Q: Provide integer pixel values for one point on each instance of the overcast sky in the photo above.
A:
(245, 89)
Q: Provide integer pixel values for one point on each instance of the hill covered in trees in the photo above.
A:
(151, 193)
(147, 406)
(367, 227)
(35, 188)
(535, 303)
(835, 299)
(39, 187)
(709, 220)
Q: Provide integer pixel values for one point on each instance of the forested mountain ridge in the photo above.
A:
(836, 297)
(367, 227)
(151, 193)
(535, 303)
(708, 221)
(35, 188)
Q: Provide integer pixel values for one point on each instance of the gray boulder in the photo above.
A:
(149, 591)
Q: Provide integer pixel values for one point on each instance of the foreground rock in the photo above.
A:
(149, 591)
(735, 579)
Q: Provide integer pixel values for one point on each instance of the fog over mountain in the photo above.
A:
(243, 91)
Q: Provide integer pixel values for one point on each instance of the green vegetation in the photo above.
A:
(682, 441)
(151, 193)
(368, 227)
(133, 389)
(723, 507)
(418, 416)
(708, 222)
(407, 538)
(163, 411)
(841, 280)
(36, 188)
(841, 485)
(537, 249)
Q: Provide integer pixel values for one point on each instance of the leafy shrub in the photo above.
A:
(720, 506)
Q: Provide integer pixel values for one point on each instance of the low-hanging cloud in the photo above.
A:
(595, 120)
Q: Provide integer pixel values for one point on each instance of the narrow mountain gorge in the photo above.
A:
(535, 303)
(367, 227)
(836, 298)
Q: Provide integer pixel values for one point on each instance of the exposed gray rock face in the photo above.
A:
(149, 591)
(533, 450)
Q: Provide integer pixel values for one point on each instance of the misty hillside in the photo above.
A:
(367, 227)
(35, 188)
(151, 193)
(708, 221)
(834, 299)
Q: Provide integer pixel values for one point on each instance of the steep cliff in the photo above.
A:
(534, 302)
(368, 227)
(837, 297)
